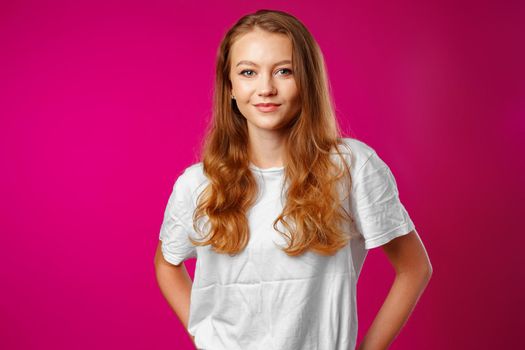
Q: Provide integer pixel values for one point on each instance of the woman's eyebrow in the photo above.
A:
(250, 63)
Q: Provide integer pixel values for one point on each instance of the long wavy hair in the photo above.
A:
(312, 216)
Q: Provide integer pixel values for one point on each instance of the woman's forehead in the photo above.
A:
(261, 48)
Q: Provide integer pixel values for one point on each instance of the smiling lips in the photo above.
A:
(267, 107)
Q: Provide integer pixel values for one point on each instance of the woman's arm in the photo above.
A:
(413, 271)
(175, 285)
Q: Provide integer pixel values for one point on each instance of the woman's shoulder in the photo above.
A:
(192, 175)
(194, 169)
(356, 152)
(190, 181)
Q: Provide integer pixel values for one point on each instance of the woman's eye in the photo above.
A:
(289, 71)
(246, 70)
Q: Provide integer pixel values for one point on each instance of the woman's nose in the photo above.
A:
(266, 86)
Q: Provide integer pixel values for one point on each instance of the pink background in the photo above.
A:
(103, 103)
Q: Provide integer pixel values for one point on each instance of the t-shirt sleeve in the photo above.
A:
(177, 226)
(378, 212)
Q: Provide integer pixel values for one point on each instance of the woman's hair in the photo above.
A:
(312, 215)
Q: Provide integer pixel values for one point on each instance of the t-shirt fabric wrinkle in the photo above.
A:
(262, 298)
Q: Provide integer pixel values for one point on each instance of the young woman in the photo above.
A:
(282, 209)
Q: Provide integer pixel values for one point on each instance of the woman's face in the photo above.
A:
(261, 72)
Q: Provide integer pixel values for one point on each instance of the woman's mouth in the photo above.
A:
(267, 107)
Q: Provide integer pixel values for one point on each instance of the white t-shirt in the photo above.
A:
(265, 299)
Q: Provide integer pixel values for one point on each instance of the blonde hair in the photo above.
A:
(312, 215)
